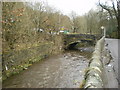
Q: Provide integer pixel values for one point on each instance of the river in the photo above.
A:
(65, 70)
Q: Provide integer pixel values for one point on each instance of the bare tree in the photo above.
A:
(113, 11)
(74, 21)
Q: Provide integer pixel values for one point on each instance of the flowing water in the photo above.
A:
(65, 70)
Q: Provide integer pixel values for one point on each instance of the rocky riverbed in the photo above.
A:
(65, 70)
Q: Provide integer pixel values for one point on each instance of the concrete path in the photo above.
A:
(112, 68)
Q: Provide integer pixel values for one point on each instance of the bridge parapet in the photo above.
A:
(94, 73)
(73, 38)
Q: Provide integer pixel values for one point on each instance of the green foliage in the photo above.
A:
(91, 23)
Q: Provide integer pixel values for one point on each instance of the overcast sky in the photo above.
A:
(67, 6)
(79, 6)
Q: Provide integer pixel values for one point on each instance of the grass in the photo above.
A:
(21, 67)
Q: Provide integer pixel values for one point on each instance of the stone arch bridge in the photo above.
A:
(70, 40)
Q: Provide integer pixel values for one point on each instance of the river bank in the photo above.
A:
(22, 56)
(60, 71)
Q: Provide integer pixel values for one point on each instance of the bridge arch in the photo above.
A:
(72, 45)
(71, 40)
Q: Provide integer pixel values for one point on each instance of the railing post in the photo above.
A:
(104, 31)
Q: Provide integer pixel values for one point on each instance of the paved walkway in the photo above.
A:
(112, 68)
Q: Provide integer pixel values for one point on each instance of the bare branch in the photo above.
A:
(106, 8)
(115, 11)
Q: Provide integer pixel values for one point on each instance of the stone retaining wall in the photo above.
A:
(94, 73)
